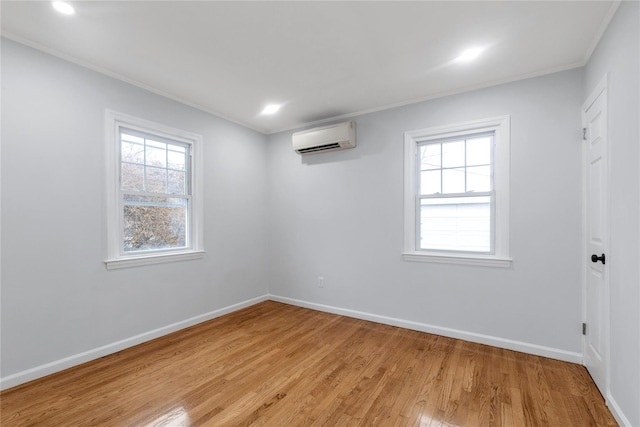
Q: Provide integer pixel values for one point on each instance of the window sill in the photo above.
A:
(485, 261)
(113, 264)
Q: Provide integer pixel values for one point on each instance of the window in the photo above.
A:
(457, 193)
(154, 189)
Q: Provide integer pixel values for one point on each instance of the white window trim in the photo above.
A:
(501, 160)
(115, 259)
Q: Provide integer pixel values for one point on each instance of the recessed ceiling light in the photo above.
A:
(64, 8)
(470, 54)
(271, 109)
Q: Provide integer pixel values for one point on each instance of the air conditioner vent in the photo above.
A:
(319, 148)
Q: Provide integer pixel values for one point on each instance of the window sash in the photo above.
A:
(187, 204)
(179, 146)
(418, 218)
(464, 165)
(145, 165)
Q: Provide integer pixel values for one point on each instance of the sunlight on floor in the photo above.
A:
(177, 417)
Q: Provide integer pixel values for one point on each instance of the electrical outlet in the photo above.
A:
(321, 282)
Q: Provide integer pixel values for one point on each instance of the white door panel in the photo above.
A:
(597, 294)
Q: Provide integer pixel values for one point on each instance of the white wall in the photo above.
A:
(339, 215)
(58, 300)
(618, 54)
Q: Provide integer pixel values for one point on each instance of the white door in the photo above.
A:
(596, 344)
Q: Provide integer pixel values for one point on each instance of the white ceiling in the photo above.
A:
(322, 60)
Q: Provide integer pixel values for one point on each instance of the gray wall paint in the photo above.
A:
(619, 55)
(340, 215)
(58, 299)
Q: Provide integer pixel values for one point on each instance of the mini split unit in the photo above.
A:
(325, 138)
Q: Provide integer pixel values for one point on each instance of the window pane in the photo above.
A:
(176, 182)
(156, 144)
(456, 224)
(430, 182)
(453, 154)
(452, 181)
(176, 159)
(156, 181)
(132, 177)
(430, 156)
(154, 223)
(479, 178)
(131, 138)
(156, 156)
(133, 153)
(479, 151)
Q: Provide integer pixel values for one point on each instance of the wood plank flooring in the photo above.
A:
(277, 365)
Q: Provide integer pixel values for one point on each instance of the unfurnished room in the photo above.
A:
(320, 213)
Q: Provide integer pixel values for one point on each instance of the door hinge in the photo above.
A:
(584, 329)
(584, 134)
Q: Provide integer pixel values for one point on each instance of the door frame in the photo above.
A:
(600, 89)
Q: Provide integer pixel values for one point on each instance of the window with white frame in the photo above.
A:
(154, 192)
(457, 193)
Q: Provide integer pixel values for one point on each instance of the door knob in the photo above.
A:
(596, 258)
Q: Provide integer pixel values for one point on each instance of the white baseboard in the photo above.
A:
(77, 359)
(538, 350)
(617, 412)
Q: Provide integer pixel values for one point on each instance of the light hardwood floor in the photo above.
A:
(277, 365)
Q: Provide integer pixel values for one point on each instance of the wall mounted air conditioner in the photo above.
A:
(325, 138)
